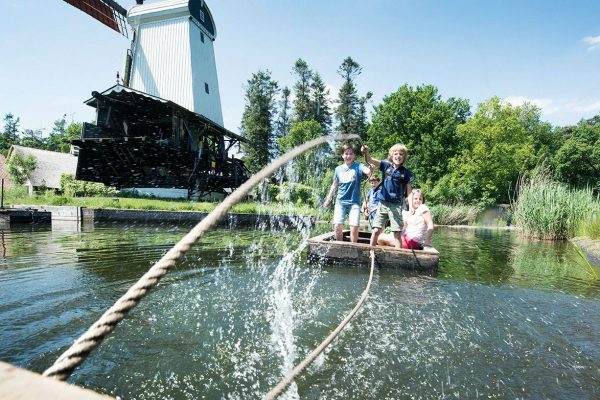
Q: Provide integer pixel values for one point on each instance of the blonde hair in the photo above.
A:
(398, 147)
(418, 192)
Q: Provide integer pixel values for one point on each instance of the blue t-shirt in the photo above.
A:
(394, 182)
(372, 198)
(349, 178)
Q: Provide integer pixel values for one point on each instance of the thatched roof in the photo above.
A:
(50, 165)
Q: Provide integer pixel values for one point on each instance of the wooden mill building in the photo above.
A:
(160, 129)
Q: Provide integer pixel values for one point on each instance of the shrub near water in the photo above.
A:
(547, 209)
(444, 214)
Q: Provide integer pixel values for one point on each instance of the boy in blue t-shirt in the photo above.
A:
(346, 181)
(372, 199)
(397, 183)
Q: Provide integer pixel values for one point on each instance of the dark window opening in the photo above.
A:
(206, 88)
(202, 37)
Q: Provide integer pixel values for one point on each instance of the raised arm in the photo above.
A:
(368, 157)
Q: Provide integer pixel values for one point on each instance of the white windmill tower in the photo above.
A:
(161, 128)
(173, 55)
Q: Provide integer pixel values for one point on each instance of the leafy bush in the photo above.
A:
(72, 187)
(19, 167)
(296, 193)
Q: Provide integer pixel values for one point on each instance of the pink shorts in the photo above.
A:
(410, 244)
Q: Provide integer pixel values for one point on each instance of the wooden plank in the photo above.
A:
(17, 383)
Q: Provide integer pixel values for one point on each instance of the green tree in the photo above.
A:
(425, 123)
(302, 104)
(10, 134)
(283, 122)
(498, 146)
(62, 134)
(347, 111)
(305, 166)
(321, 112)
(20, 167)
(577, 161)
(33, 138)
(257, 120)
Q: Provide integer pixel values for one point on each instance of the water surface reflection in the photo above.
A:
(502, 317)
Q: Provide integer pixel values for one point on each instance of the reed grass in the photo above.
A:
(547, 209)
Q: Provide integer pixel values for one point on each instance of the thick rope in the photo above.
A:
(285, 382)
(77, 353)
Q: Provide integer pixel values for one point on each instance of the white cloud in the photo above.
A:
(563, 111)
(547, 105)
(592, 41)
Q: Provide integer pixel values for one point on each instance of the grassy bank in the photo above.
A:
(19, 196)
(547, 209)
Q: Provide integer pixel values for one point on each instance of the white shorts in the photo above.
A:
(352, 211)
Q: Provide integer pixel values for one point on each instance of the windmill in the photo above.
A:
(160, 128)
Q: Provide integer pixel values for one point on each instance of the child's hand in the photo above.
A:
(364, 149)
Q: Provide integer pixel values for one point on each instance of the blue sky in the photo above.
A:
(548, 52)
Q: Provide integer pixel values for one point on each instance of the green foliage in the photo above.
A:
(302, 102)
(307, 165)
(547, 209)
(444, 214)
(283, 122)
(320, 109)
(426, 124)
(76, 188)
(257, 120)
(577, 161)
(497, 147)
(346, 111)
(295, 193)
(62, 134)
(20, 167)
(10, 134)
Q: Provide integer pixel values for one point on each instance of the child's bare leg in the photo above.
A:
(375, 235)
(398, 239)
(354, 234)
(339, 232)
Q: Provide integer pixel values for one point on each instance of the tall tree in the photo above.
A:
(302, 90)
(425, 123)
(257, 120)
(283, 122)
(57, 134)
(362, 125)
(10, 134)
(321, 112)
(346, 112)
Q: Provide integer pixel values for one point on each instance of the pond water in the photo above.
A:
(502, 317)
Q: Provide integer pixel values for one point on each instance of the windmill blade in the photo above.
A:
(108, 12)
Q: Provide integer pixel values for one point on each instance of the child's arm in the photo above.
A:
(368, 157)
(429, 222)
(332, 190)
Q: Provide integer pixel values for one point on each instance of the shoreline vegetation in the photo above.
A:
(544, 209)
